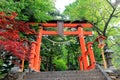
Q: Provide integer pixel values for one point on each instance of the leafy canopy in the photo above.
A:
(29, 10)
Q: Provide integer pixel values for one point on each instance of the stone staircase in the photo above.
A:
(66, 75)
(95, 74)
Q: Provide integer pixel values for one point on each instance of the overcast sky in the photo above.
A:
(60, 4)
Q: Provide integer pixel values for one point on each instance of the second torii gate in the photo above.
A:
(86, 60)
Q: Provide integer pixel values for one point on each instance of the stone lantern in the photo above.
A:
(100, 41)
(108, 54)
(101, 45)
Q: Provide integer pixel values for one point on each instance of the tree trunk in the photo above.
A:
(68, 60)
(50, 63)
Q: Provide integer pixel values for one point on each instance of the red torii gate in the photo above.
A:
(86, 60)
(10, 40)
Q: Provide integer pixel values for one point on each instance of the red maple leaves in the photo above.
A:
(9, 35)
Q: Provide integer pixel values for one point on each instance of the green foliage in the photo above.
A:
(61, 47)
(1, 62)
(105, 16)
(97, 52)
(2, 75)
(114, 44)
(60, 65)
(96, 11)
(29, 10)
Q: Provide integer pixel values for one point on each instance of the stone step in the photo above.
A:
(69, 78)
(65, 75)
(64, 72)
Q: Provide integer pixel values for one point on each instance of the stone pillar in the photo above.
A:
(108, 55)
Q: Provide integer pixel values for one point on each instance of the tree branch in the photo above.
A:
(111, 4)
(107, 23)
(99, 31)
(117, 13)
(116, 43)
(106, 9)
(102, 18)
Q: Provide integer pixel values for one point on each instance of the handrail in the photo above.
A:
(103, 72)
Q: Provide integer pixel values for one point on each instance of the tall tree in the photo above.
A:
(104, 14)
(101, 13)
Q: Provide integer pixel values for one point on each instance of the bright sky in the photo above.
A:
(60, 4)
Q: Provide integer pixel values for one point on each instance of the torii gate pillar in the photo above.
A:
(83, 49)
